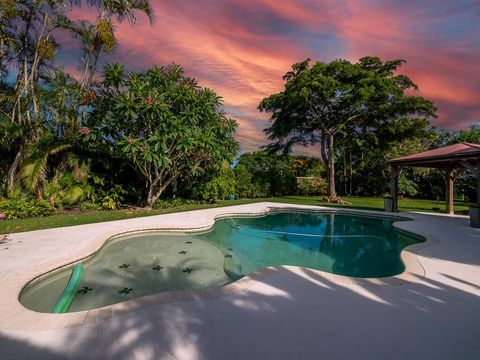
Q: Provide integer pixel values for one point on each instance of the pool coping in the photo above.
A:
(14, 316)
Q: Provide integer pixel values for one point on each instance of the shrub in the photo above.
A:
(311, 186)
(406, 186)
(171, 203)
(89, 205)
(244, 188)
(24, 208)
(218, 187)
(113, 199)
(271, 174)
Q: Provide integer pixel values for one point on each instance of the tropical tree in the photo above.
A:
(164, 124)
(33, 172)
(64, 104)
(8, 42)
(28, 44)
(325, 101)
(99, 37)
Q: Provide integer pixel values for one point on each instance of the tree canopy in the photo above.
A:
(164, 124)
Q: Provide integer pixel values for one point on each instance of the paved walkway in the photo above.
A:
(291, 314)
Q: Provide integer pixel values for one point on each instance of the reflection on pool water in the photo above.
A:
(131, 266)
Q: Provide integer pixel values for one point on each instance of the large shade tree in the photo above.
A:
(325, 102)
(162, 123)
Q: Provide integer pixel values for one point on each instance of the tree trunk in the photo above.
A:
(154, 193)
(331, 168)
(151, 197)
(2, 45)
(83, 79)
(351, 175)
(12, 172)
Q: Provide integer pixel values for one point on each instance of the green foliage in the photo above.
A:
(217, 187)
(166, 126)
(110, 202)
(261, 174)
(63, 105)
(363, 167)
(175, 202)
(244, 187)
(46, 49)
(113, 75)
(88, 206)
(406, 186)
(40, 101)
(113, 198)
(23, 208)
(33, 172)
(307, 166)
(8, 8)
(311, 186)
(325, 102)
(105, 34)
(270, 174)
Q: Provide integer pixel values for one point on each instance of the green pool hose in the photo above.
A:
(66, 299)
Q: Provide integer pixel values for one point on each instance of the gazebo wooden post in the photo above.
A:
(477, 174)
(394, 186)
(449, 189)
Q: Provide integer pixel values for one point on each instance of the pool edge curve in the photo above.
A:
(21, 318)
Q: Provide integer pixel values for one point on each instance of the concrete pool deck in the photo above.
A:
(287, 313)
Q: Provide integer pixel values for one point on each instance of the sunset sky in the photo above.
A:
(241, 48)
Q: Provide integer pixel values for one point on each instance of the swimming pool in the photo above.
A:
(135, 265)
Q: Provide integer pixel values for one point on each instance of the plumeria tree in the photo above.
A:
(164, 124)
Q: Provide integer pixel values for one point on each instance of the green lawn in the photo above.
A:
(368, 203)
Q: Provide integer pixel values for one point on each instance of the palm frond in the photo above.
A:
(80, 167)
(72, 194)
(33, 172)
(57, 148)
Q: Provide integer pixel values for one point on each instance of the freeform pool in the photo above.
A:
(136, 265)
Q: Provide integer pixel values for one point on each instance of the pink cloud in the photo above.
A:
(242, 48)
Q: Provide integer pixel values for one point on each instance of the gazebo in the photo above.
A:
(452, 161)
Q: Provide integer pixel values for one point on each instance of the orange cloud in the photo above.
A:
(242, 48)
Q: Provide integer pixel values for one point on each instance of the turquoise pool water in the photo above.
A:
(136, 265)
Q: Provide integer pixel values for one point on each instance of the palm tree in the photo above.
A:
(100, 37)
(122, 9)
(27, 40)
(33, 172)
(52, 170)
(62, 101)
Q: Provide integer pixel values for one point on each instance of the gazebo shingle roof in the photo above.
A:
(442, 155)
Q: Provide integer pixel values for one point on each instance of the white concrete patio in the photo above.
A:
(290, 314)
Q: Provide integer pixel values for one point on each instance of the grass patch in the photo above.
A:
(365, 203)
